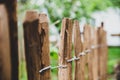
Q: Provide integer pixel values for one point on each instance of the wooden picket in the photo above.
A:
(5, 59)
(87, 45)
(105, 54)
(65, 50)
(95, 53)
(36, 45)
(11, 14)
(79, 64)
(102, 53)
(101, 59)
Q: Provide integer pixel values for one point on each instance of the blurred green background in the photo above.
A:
(56, 10)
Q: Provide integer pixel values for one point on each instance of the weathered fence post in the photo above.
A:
(44, 45)
(102, 54)
(11, 8)
(79, 64)
(99, 54)
(87, 45)
(65, 49)
(105, 51)
(5, 60)
(95, 53)
(36, 39)
(12, 23)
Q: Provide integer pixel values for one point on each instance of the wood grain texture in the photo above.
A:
(79, 64)
(36, 46)
(65, 50)
(87, 45)
(11, 6)
(105, 53)
(100, 58)
(95, 53)
(44, 41)
(102, 54)
(5, 60)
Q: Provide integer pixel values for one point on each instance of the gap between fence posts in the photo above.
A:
(79, 64)
(5, 59)
(36, 45)
(65, 50)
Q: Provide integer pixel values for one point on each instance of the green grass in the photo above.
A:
(22, 71)
(113, 58)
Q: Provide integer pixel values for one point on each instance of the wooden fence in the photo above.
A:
(90, 56)
(90, 48)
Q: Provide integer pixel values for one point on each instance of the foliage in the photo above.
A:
(116, 3)
(57, 9)
(113, 58)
